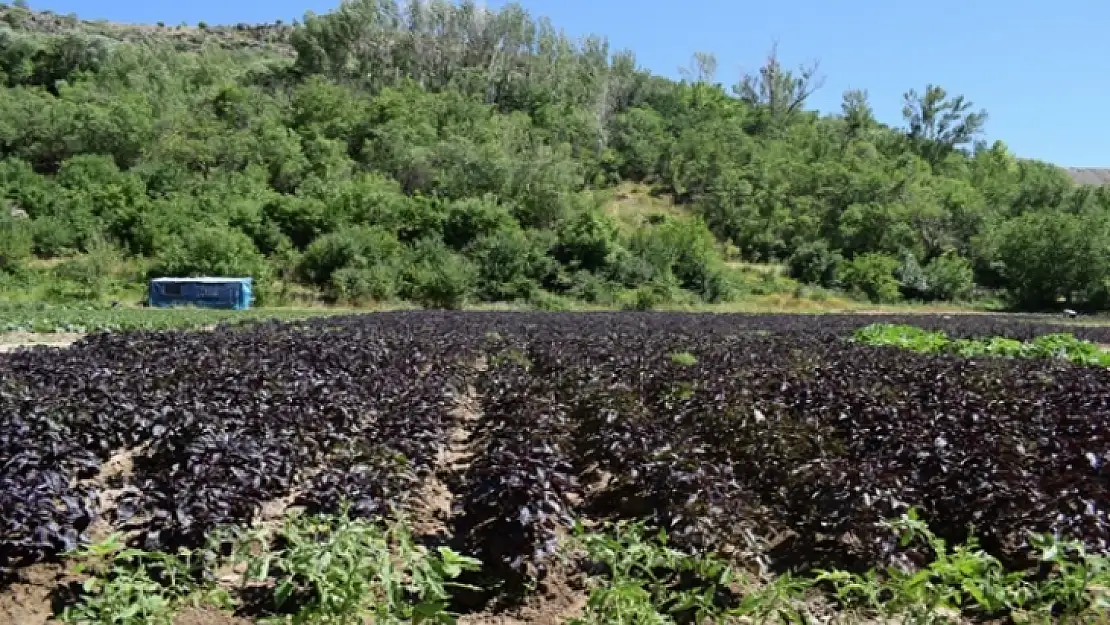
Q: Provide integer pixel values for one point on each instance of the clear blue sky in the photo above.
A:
(1037, 66)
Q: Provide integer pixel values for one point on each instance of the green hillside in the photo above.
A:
(443, 154)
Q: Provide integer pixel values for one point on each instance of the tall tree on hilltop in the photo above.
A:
(778, 93)
(702, 68)
(857, 112)
(938, 124)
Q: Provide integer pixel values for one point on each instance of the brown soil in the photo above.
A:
(274, 511)
(118, 467)
(12, 341)
(559, 597)
(432, 509)
(207, 616)
(27, 601)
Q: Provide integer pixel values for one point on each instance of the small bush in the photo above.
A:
(587, 287)
(357, 247)
(911, 277)
(511, 264)
(88, 277)
(359, 285)
(587, 240)
(15, 242)
(471, 219)
(949, 277)
(872, 275)
(53, 236)
(211, 251)
(630, 270)
(687, 250)
(653, 295)
(438, 277)
(815, 263)
(543, 300)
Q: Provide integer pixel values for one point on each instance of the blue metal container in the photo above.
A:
(231, 293)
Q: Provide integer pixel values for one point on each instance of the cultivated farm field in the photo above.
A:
(555, 468)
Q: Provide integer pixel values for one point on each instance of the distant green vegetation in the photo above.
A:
(1061, 345)
(443, 153)
(81, 319)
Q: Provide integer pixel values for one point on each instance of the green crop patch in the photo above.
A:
(1060, 345)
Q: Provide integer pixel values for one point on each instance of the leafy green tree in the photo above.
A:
(949, 277)
(778, 94)
(872, 275)
(815, 263)
(640, 139)
(438, 277)
(211, 251)
(938, 124)
(1049, 255)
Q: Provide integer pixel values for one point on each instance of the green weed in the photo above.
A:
(639, 579)
(134, 587)
(647, 582)
(966, 581)
(341, 570)
(684, 359)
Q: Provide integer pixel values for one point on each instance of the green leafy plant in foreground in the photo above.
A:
(642, 574)
(322, 569)
(646, 582)
(134, 587)
(966, 581)
(336, 569)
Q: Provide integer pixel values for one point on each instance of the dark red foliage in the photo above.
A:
(780, 430)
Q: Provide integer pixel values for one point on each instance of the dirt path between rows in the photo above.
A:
(558, 597)
(434, 505)
(12, 341)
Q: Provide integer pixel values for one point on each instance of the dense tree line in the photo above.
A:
(439, 152)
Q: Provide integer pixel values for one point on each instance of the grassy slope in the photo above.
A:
(633, 205)
(1089, 175)
(270, 38)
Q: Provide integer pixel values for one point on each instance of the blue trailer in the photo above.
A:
(232, 293)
